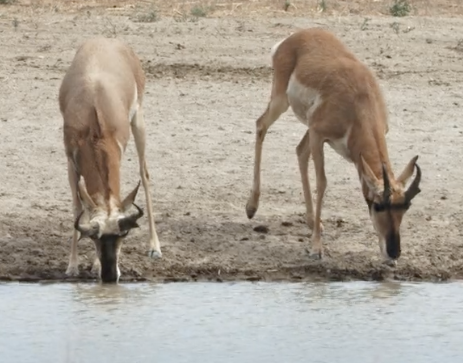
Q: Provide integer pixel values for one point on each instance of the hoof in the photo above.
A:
(315, 254)
(155, 254)
(250, 211)
(390, 263)
(72, 271)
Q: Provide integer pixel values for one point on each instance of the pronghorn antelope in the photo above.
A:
(338, 98)
(100, 100)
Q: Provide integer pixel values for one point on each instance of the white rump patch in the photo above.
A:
(303, 100)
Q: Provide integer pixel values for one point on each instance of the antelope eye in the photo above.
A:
(378, 207)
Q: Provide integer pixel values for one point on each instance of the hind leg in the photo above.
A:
(275, 108)
(73, 266)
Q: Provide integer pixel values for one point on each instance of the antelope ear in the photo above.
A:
(407, 172)
(129, 199)
(87, 201)
(370, 179)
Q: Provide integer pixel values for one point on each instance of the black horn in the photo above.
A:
(130, 221)
(387, 185)
(414, 187)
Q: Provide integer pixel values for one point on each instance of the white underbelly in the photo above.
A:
(340, 146)
(303, 100)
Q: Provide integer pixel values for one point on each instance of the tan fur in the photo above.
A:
(96, 100)
(340, 101)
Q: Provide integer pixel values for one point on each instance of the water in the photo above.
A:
(241, 322)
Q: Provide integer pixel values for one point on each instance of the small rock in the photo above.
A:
(286, 224)
(261, 229)
(340, 222)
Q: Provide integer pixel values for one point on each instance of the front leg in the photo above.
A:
(303, 156)
(138, 131)
(155, 245)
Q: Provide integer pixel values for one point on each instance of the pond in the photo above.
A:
(232, 322)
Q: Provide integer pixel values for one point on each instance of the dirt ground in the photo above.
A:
(208, 80)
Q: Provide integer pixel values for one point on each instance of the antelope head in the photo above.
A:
(388, 201)
(107, 230)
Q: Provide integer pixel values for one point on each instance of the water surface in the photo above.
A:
(240, 322)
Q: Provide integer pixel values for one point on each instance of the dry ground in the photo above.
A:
(208, 81)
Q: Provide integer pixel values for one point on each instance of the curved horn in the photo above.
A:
(86, 230)
(414, 187)
(387, 185)
(130, 221)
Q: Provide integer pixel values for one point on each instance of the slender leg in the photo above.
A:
(73, 268)
(139, 134)
(275, 108)
(316, 146)
(303, 156)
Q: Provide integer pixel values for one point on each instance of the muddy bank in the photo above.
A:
(229, 251)
(208, 81)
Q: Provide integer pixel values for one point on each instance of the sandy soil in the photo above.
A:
(208, 81)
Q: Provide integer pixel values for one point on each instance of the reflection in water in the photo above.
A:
(241, 322)
(111, 296)
(389, 289)
(349, 294)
